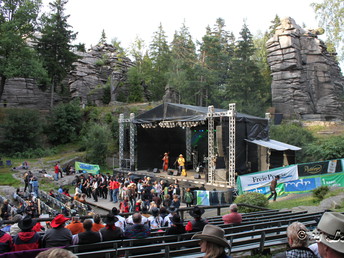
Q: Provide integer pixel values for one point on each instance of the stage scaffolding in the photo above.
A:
(211, 115)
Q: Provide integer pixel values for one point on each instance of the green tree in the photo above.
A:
(245, 84)
(326, 149)
(330, 14)
(161, 57)
(22, 130)
(97, 142)
(65, 123)
(55, 46)
(103, 38)
(17, 25)
(181, 74)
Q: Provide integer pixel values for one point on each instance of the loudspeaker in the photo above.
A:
(170, 172)
(176, 173)
(197, 176)
(156, 170)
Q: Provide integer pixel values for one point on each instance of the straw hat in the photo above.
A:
(330, 230)
(58, 220)
(213, 234)
(180, 155)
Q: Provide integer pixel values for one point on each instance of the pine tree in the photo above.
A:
(54, 45)
(103, 38)
(161, 58)
(17, 25)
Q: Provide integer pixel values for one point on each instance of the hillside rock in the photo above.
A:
(306, 79)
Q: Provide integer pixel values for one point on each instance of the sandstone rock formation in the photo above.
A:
(306, 79)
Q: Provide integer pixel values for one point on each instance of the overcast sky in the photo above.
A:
(128, 19)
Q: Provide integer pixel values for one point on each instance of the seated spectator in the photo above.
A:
(233, 217)
(14, 230)
(5, 210)
(329, 235)
(88, 236)
(75, 226)
(197, 224)
(110, 231)
(27, 239)
(137, 230)
(97, 225)
(167, 220)
(163, 212)
(177, 226)
(298, 245)
(57, 235)
(145, 215)
(32, 209)
(213, 242)
(155, 221)
(6, 242)
(121, 223)
(56, 253)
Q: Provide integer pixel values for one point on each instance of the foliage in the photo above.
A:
(288, 204)
(320, 192)
(252, 198)
(107, 95)
(96, 141)
(326, 149)
(8, 179)
(65, 123)
(330, 15)
(17, 25)
(34, 153)
(294, 134)
(54, 45)
(22, 130)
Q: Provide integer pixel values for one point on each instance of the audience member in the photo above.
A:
(297, 242)
(213, 242)
(27, 239)
(15, 228)
(167, 220)
(137, 230)
(198, 223)
(97, 225)
(56, 253)
(155, 221)
(5, 210)
(57, 235)
(121, 223)
(110, 231)
(233, 217)
(88, 236)
(188, 197)
(177, 226)
(6, 242)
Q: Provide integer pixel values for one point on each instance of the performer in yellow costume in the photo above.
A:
(181, 165)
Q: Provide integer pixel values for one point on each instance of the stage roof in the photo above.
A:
(275, 145)
(180, 112)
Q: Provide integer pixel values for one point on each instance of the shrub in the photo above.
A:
(252, 198)
(326, 149)
(320, 192)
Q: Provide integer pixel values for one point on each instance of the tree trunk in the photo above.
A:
(2, 85)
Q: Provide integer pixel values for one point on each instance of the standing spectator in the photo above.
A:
(298, 245)
(6, 242)
(27, 239)
(94, 187)
(58, 235)
(273, 185)
(115, 185)
(35, 185)
(124, 205)
(75, 226)
(177, 226)
(188, 197)
(97, 225)
(233, 217)
(56, 171)
(156, 198)
(110, 231)
(27, 178)
(175, 201)
(198, 223)
(167, 201)
(32, 209)
(88, 236)
(137, 230)
(213, 242)
(5, 210)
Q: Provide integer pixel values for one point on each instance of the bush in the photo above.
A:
(22, 130)
(252, 198)
(320, 192)
(326, 149)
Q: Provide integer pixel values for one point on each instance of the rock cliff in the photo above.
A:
(306, 79)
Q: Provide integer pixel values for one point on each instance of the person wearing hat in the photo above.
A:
(75, 226)
(165, 162)
(110, 231)
(27, 239)
(198, 223)
(171, 211)
(213, 242)
(6, 242)
(121, 223)
(181, 164)
(177, 226)
(57, 235)
(329, 235)
(88, 236)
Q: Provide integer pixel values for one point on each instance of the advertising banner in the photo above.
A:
(321, 167)
(261, 179)
(202, 197)
(87, 168)
(302, 185)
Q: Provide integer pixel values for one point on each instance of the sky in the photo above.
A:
(128, 19)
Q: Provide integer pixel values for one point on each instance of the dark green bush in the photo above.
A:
(320, 192)
(326, 149)
(252, 198)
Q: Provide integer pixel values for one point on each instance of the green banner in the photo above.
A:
(87, 168)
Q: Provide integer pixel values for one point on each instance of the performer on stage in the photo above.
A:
(181, 165)
(165, 162)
